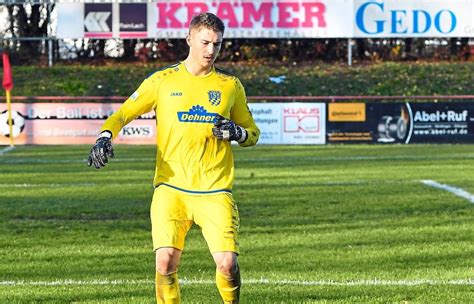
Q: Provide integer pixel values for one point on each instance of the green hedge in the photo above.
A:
(308, 79)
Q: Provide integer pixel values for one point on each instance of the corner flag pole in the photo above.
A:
(10, 121)
(7, 84)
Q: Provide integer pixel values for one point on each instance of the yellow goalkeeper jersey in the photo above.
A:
(189, 158)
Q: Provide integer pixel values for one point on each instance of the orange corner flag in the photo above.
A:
(7, 73)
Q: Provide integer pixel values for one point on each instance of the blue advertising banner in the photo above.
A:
(420, 122)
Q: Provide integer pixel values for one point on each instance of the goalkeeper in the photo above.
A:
(199, 109)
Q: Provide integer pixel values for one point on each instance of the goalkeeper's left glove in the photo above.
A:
(102, 149)
(226, 129)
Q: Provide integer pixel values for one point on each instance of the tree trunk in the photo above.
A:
(32, 24)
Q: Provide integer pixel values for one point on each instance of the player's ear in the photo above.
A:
(188, 39)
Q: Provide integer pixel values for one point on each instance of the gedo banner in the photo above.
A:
(400, 122)
(65, 123)
(79, 123)
(418, 18)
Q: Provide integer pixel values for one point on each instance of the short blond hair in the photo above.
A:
(207, 20)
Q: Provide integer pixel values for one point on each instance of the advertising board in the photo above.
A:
(270, 19)
(290, 123)
(279, 123)
(70, 124)
(418, 122)
(79, 123)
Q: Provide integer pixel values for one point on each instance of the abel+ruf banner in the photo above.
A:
(397, 122)
(269, 18)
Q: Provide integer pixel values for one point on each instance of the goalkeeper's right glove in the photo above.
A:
(102, 149)
(226, 129)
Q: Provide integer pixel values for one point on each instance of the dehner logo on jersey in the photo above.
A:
(197, 114)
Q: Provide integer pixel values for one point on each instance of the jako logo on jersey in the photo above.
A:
(197, 114)
(134, 96)
(214, 97)
(176, 93)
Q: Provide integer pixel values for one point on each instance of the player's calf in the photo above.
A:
(228, 276)
(167, 288)
(167, 285)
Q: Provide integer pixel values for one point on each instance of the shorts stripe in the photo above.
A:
(195, 192)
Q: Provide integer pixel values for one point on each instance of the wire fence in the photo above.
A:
(24, 34)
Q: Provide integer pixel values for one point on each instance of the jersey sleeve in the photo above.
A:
(242, 116)
(142, 101)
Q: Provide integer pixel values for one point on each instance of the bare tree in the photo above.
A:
(27, 20)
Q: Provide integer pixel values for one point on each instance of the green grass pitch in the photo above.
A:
(319, 224)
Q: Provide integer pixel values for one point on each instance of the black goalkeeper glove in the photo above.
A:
(101, 150)
(226, 129)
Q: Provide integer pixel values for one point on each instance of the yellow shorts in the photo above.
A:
(173, 212)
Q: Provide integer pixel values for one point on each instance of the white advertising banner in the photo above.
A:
(290, 123)
(267, 116)
(270, 18)
(256, 19)
(416, 18)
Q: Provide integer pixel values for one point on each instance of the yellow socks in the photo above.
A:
(229, 287)
(167, 288)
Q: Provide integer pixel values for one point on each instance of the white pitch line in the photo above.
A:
(239, 183)
(5, 150)
(262, 281)
(457, 191)
(25, 185)
(74, 185)
(29, 160)
(26, 160)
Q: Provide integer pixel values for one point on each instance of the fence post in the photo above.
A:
(349, 52)
(50, 40)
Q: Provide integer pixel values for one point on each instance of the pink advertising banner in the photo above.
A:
(170, 19)
(70, 123)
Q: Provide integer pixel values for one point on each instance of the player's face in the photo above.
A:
(204, 46)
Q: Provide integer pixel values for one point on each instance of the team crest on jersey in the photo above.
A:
(197, 113)
(214, 97)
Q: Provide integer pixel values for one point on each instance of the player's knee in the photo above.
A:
(165, 263)
(228, 266)
(164, 266)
